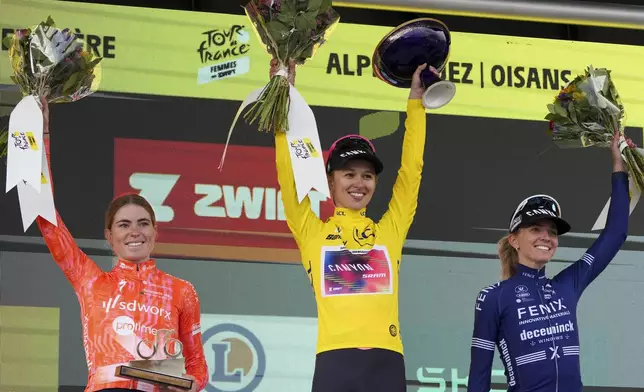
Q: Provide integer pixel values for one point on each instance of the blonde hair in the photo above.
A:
(509, 258)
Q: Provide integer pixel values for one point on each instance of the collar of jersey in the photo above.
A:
(531, 273)
(347, 213)
(128, 266)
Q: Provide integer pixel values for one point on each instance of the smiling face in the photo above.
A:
(130, 227)
(353, 186)
(132, 233)
(536, 244)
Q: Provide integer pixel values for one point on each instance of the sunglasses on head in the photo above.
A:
(353, 139)
(538, 202)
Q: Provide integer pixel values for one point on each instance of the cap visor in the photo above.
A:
(562, 226)
(377, 164)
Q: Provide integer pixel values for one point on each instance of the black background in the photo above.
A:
(476, 169)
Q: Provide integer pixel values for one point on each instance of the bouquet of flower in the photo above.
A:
(53, 63)
(587, 112)
(291, 30)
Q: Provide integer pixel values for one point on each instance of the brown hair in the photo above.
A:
(123, 200)
(509, 258)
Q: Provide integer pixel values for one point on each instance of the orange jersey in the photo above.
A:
(125, 306)
(121, 307)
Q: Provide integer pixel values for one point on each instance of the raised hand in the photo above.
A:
(618, 162)
(291, 70)
(417, 89)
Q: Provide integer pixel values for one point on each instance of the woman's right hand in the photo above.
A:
(417, 89)
(291, 70)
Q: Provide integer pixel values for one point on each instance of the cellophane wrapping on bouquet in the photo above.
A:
(51, 62)
(291, 30)
(587, 112)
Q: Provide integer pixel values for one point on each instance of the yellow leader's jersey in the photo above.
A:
(352, 262)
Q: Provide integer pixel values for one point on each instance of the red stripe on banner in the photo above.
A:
(202, 212)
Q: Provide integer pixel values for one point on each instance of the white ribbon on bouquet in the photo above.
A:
(633, 191)
(307, 161)
(27, 167)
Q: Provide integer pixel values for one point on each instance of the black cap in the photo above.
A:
(535, 208)
(349, 148)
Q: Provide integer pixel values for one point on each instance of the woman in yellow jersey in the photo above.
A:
(353, 262)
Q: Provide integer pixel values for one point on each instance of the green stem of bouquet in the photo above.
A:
(632, 158)
(635, 164)
(271, 108)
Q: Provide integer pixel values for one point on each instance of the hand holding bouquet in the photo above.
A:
(587, 112)
(292, 31)
(51, 63)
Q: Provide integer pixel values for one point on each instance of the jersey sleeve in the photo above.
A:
(404, 200)
(190, 337)
(484, 337)
(75, 264)
(300, 218)
(582, 272)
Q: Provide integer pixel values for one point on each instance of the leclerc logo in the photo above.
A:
(239, 359)
(133, 306)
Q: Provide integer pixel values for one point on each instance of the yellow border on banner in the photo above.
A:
(524, 18)
(157, 52)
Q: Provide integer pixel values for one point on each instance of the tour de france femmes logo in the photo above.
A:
(223, 53)
(304, 148)
(236, 359)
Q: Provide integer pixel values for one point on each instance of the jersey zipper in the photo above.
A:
(554, 346)
(138, 282)
(137, 288)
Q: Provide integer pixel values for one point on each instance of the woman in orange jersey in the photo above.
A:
(131, 302)
(353, 262)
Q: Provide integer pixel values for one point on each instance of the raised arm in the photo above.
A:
(190, 337)
(75, 264)
(299, 216)
(581, 273)
(484, 336)
(404, 200)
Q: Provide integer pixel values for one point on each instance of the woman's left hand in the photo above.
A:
(173, 389)
(618, 162)
(291, 70)
(417, 88)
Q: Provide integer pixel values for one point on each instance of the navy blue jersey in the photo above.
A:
(532, 319)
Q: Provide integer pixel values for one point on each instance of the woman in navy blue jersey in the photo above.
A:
(530, 318)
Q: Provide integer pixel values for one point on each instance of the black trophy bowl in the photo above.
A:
(404, 48)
